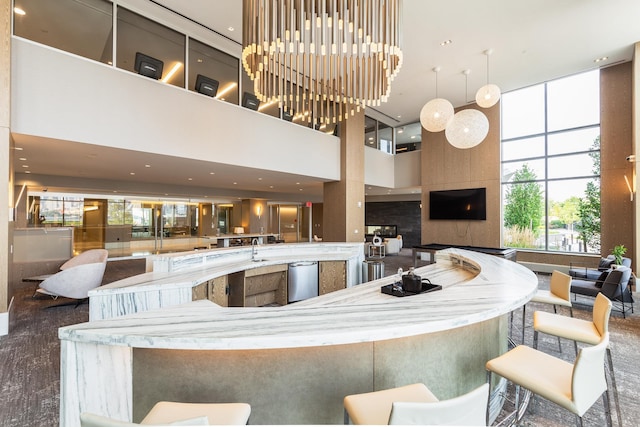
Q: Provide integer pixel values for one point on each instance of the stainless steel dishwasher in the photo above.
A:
(302, 281)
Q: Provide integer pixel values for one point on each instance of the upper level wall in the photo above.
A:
(67, 97)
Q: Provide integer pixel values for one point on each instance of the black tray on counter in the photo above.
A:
(396, 290)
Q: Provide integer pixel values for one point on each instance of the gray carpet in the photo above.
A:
(30, 356)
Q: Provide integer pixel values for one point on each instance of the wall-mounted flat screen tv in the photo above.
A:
(206, 85)
(468, 203)
(148, 66)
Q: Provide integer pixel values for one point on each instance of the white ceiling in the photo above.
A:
(532, 42)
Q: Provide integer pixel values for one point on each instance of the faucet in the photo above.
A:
(254, 248)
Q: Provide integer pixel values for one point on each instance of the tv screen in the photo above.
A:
(469, 203)
(250, 101)
(148, 66)
(206, 85)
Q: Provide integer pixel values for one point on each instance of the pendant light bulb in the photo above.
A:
(489, 94)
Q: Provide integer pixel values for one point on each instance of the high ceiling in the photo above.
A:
(531, 41)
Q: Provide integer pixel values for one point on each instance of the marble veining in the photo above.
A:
(170, 278)
(476, 287)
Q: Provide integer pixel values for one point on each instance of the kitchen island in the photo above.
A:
(295, 363)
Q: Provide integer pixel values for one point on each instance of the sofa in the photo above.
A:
(581, 272)
(614, 283)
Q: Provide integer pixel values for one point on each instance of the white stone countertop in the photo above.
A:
(476, 287)
(198, 270)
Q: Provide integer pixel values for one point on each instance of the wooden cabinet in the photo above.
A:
(266, 285)
(215, 290)
(259, 286)
(332, 276)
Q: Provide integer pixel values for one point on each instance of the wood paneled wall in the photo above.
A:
(445, 167)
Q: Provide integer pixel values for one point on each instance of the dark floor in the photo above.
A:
(30, 355)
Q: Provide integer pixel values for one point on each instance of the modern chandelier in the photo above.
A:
(321, 59)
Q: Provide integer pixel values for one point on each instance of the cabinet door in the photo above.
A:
(332, 276)
(219, 291)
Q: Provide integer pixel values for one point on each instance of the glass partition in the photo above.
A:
(210, 62)
(139, 34)
(80, 27)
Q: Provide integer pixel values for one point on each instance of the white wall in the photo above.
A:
(67, 97)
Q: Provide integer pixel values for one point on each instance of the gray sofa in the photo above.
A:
(613, 283)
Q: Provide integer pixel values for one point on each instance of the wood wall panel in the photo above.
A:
(445, 167)
(615, 145)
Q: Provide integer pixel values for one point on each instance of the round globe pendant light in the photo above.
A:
(467, 129)
(489, 94)
(436, 114)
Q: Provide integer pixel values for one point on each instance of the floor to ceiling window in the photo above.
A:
(551, 165)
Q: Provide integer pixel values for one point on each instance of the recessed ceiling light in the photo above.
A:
(25, 166)
(19, 11)
(27, 171)
(199, 60)
(230, 28)
(400, 130)
(413, 137)
(446, 42)
(300, 189)
(235, 183)
(18, 148)
(271, 186)
(23, 158)
(297, 183)
(132, 173)
(259, 179)
(603, 58)
(147, 166)
(190, 179)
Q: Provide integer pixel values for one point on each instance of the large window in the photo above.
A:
(551, 165)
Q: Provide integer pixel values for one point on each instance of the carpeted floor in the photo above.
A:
(30, 355)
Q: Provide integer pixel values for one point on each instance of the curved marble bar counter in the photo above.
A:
(171, 278)
(294, 364)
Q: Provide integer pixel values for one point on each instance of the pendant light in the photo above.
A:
(489, 94)
(436, 114)
(468, 127)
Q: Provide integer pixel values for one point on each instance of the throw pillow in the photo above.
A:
(601, 279)
(605, 264)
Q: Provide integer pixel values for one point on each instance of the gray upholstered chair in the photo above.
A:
(77, 276)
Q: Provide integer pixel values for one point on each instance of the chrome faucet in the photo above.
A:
(254, 248)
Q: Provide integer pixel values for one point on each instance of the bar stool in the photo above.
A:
(559, 294)
(578, 330)
(575, 387)
(416, 405)
(175, 413)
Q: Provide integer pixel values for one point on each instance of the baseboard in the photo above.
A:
(4, 319)
(539, 267)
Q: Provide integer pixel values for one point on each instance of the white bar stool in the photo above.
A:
(575, 387)
(578, 330)
(559, 294)
(416, 405)
(175, 413)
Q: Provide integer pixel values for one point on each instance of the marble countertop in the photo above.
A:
(476, 287)
(200, 266)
